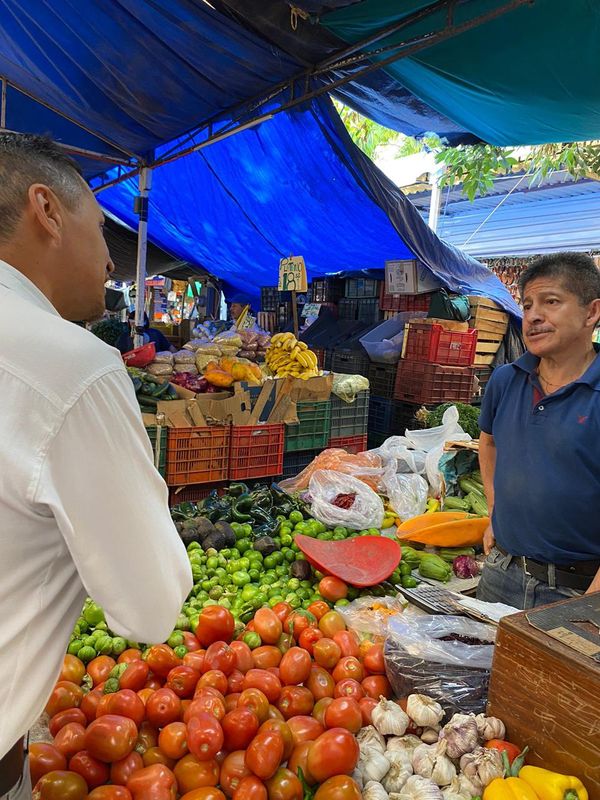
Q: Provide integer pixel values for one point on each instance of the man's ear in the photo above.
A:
(47, 210)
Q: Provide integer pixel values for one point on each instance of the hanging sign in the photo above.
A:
(292, 275)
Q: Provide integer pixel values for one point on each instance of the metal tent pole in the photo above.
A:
(141, 209)
(436, 198)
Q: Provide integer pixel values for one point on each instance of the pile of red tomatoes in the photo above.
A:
(273, 723)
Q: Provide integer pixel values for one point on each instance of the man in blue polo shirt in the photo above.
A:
(540, 443)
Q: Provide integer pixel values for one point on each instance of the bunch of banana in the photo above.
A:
(287, 356)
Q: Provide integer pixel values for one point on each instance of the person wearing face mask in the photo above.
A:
(82, 508)
(540, 443)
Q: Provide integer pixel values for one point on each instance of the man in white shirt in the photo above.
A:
(82, 509)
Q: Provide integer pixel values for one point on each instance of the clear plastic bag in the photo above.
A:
(367, 467)
(366, 511)
(371, 615)
(400, 449)
(420, 658)
(407, 493)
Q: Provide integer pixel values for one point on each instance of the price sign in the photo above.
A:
(311, 310)
(292, 275)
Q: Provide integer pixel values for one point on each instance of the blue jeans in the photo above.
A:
(503, 580)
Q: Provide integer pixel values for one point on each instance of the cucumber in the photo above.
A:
(478, 503)
(456, 504)
(467, 486)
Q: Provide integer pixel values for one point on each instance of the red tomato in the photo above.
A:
(231, 701)
(309, 638)
(110, 793)
(215, 679)
(326, 653)
(333, 589)
(195, 660)
(162, 659)
(275, 713)
(129, 656)
(295, 700)
(267, 683)
(274, 671)
(205, 704)
(90, 702)
(344, 713)
(111, 737)
(257, 701)
(163, 707)
(205, 736)
(190, 641)
(135, 676)
(60, 785)
(73, 669)
(299, 621)
(124, 703)
(172, 740)
(320, 708)
(319, 608)
(145, 695)
(266, 656)
(348, 667)
(377, 685)
(348, 643)
(283, 610)
(334, 753)
(183, 680)
(205, 793)
(284, 785)
(373, 660)
(191, 773)
(235, 682)
(239, 728)
(320, 683)
(214, 624)
(251, 788)
(367, 704)
(243, 656)
(349, 688)
(511, 750)
(153, 682)
(147, 737)
(145, 784)
(268, 625)
(154, 755)
(122, 770)
(305, 729)
(295, 666)
(331, 623)
(94, 772)
(264, 754)
(61, 719)
(281, 727)
(69, 739)
(44, 758)
(299, 760)
(233, 771)
(100, 668)
(65, 694)
(339, 787)
(220, 656)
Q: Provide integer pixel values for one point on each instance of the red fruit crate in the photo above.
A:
(256, 451)
(432, 384)
(403, 302)
(433, 342)
(351, 444)
(193, 494)
(197, 455)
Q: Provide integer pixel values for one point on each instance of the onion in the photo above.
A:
(466, 567)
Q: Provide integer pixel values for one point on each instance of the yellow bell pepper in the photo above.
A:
(553, 786)
(509, 789)
(433, 505)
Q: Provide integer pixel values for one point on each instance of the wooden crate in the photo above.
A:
(548, 695)
(491, 323)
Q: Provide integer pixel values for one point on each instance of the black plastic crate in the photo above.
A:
(327, 290)
(368, 310)
(350, 362)
(327, 359)
(295, 462)
(375, 440)
(382, 379)
(362, 287)
(349, 419)
(269, 298)
(391, 417)
(347, 309)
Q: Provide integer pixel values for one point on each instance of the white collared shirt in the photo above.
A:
(82, 508)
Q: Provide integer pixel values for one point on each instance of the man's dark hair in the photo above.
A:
(131, 317)
(26, 159)
(577, 271)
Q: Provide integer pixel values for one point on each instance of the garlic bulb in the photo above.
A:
(430, 735)
(357, 777)
(369, 737)
(418, 788)
(400, 771)
(481, 767)
(461, 735)
(389, 719)
(374, 791)
(404, 745)
(373, 765)
(431, 761)
(490, 727)
(424, 711)
(457, 791)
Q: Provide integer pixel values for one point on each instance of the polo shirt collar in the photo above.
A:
(591, 377)
(15, 281)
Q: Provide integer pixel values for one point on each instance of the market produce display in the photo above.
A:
(287, 356)
(150, 389)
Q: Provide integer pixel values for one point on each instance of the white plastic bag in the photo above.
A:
(371, 615)
(366, 511)
(401, 449)
(432, 441)
(407, 494)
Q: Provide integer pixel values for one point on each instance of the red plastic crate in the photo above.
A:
(433, 342)
(197, 455)
(352, 444)
(194, 494)
(256, 451)
(432, 384)
(403, 302)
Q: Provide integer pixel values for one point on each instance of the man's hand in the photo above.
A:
(489, 540)
(595, 584)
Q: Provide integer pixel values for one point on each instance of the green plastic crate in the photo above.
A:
(350, 419)
(312, 433)
(162, 454)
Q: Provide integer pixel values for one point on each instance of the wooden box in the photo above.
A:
(491, 323)
(548, 693)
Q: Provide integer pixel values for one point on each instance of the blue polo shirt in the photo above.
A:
(547, 478)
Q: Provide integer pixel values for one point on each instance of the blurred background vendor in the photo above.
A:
(237, 304)
(126, 343)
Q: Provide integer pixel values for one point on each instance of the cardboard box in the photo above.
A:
(409, 276)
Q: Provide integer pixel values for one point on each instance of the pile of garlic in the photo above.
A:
(444, 763)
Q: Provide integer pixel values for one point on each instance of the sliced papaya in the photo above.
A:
(458, 533)
(438, 518)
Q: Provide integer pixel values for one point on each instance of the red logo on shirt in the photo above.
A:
(581, 420)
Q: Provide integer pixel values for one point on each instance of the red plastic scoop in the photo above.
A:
(362, 561)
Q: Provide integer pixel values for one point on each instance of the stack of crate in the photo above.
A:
(349, 423)
(304, 441)
(491, 323)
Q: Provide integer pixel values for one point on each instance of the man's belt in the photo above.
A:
(11, 767)
(577, 575)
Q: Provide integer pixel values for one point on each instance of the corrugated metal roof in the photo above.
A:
(560, 217)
